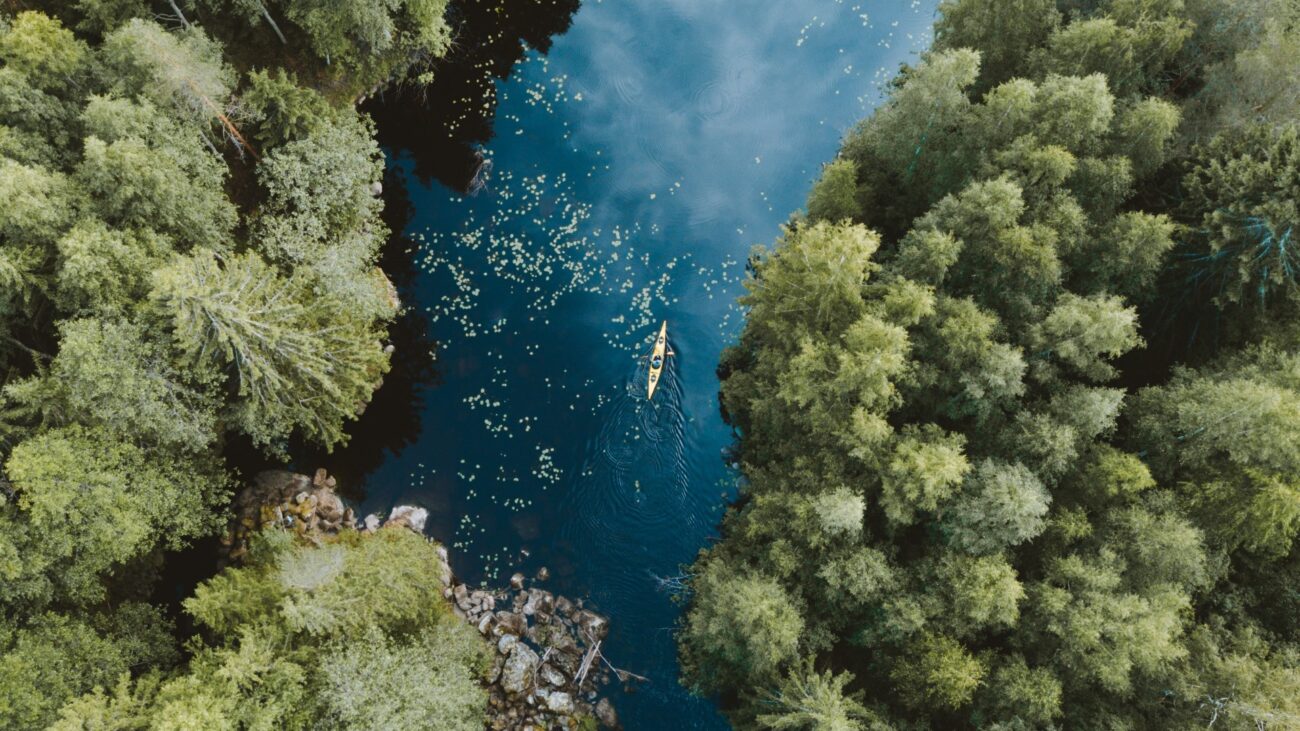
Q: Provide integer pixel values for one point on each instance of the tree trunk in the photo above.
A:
(271, 22)
(179, 14)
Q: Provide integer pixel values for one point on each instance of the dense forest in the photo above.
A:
(188, 248)
(1018, 397)
(1017, 401)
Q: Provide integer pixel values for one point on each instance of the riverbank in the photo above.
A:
(547, 670)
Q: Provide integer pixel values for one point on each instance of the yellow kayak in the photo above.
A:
(657, 360)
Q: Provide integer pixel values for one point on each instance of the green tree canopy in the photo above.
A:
(147, 178)
(85, 503)
(983, 499)
(296, 362)
(354, 630)
(746, 629)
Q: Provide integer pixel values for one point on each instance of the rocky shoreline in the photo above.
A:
(548, 668)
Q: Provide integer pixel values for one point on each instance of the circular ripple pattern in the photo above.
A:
(713, 99)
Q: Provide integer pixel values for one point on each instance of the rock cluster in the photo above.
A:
(306, 505)
(548, 666)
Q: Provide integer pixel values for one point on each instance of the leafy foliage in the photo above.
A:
(744, 625)
(964, 518)
(354, 631)
(187, 253)
(814, 701)
(297, 362)
(355, 45)
(429, 682)
(84, 503)
(54, 658)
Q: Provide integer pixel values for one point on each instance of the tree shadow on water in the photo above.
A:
(443, 123)
(392, 420)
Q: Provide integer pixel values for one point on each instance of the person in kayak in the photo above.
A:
(657, 361)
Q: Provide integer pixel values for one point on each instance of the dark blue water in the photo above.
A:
(633, 168)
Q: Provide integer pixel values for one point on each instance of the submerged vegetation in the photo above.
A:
(1016, 399)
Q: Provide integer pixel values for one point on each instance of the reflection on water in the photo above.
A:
(632, 168)
(392, 420)
(443, 123)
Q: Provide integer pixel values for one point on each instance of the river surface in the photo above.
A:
(633, 168)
